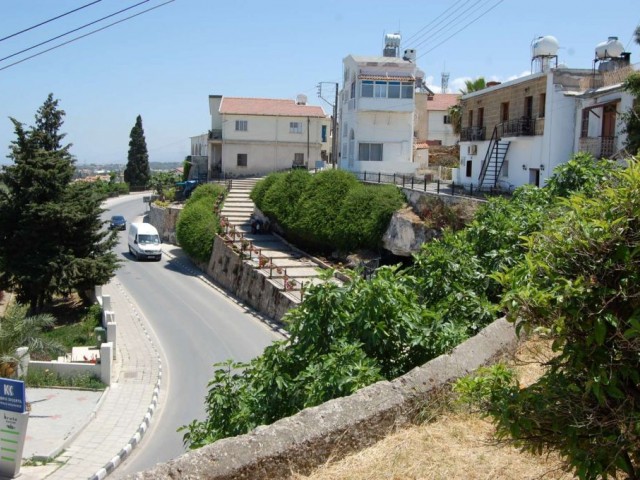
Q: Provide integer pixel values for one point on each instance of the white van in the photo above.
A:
(144, 241)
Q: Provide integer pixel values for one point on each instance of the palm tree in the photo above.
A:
(636, 35)
(473, 85)
(455, 115)
(19, 330)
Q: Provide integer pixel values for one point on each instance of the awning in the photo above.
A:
(388, 78)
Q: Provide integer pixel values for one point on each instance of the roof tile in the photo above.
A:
(268, 106)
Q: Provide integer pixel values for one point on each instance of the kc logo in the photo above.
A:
(8, 390)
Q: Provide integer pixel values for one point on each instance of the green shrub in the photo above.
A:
(365, 215)
(210, 191)
(280, 201)
(197, 227)
(47, 378)
(259, 191)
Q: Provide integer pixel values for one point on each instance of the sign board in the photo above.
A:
(12, 397)
(13, 426)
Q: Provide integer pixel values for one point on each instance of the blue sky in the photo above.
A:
(164, 64)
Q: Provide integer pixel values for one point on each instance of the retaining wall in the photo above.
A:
(165, 220)
(336, 428)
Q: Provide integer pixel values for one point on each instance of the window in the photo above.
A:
(470, 119)
(504, 171)
(504, 112)
(528, 107)
(298, 159)
(380, 90)
(543, 101)
(324, 133)
(469, 168)
(242, 159)
(370, 152)
(394, 89)
(584, 127)
(481, 117)
(367, 89)
(241, 125)
(353, 90)
(295, 127)
(446, 120)
(345, 129)
(407, 89)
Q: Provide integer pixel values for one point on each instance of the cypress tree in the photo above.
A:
(137, 172)
(52, 240)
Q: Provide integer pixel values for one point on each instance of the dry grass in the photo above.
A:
(456, 445)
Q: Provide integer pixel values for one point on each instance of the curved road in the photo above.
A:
(194, 325)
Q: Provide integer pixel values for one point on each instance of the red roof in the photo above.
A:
(268, 106)
(442, 101)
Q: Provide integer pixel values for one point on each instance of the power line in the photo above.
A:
(455, 21)
(72, 31)
(459, 30)
(417, 34)
(85, 35)
(50, 20)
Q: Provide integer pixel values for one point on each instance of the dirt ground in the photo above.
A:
(455, 445)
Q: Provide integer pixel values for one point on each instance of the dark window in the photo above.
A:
(504, 112)
(543, 101)
(241, 125)
(528, 107)
(470, 119)
(367, 89)
(242, 159)
(370, 152)
(481, 117)
(446, 120)
(298, 159)
(584, 128)
(469, 167)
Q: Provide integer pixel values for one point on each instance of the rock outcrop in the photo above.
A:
(406, 233)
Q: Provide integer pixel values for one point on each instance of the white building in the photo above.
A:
(517, 132)
(433, 123)
(256, 136)
(377, 105)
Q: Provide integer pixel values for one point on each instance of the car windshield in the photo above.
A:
(117, 219)
(148, 239)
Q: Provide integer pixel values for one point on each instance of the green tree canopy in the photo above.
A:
(631, 118)
(52, 238)
(473, 85)
(137, 172)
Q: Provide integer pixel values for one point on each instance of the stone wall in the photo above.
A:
(336, 428)
(165, 220)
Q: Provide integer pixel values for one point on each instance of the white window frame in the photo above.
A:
(242, 125)
(295, 127)
(369, 153)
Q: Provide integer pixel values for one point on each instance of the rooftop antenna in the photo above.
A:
(444, 79)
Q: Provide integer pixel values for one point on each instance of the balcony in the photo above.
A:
(523, 126)
(599, 147)
(470, 134)
(215, 134)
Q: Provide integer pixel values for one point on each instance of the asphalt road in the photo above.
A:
(194, 326)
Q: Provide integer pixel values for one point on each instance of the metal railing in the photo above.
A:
(523, 126)
(470, 134)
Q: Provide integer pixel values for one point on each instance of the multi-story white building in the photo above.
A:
(517, 132)
(377, 104)
(256, 136)
(433, 122)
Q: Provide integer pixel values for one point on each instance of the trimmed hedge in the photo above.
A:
(328, 210)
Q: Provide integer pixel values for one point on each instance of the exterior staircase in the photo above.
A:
(289, 268)
(493, 161)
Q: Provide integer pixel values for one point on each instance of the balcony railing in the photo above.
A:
(599, 147)
(215, 134)
(523, 126)
(470, 134)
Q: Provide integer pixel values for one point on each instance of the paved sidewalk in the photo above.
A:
(96, 432)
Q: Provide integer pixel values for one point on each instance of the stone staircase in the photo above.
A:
(286, 267)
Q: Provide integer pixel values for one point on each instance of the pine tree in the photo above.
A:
(52, 240)
(137, 172)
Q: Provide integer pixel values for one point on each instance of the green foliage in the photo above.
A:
(52, 240)
(111, 189)
(76, 333)
(631, 118)
(438, 214)
(473, 85)
(198, 223)
(365, 214)
(163, 184)
(186, 168)
(137, 173)
(455, 113)
(580, 283)
(47, 379)
(329, 209)
(18, 329)
(486, 387)
(582, 173)
(281, 199)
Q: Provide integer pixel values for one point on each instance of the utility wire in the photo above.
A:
(455, 21)
(85, 35)
(418, 34)
(72, 31)
(459, 30)
(50, 20)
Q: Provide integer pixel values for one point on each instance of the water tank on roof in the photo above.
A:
(546, 46)
(301, 99)
(409, 55)
(612, 48)
(392, 40)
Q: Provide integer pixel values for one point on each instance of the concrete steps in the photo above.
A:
(282, 261)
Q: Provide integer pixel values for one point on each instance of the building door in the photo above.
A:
(609, 121)
(534, 176)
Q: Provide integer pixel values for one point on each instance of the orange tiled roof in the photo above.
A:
(268, 106)
(391, 78)
(442, 101)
